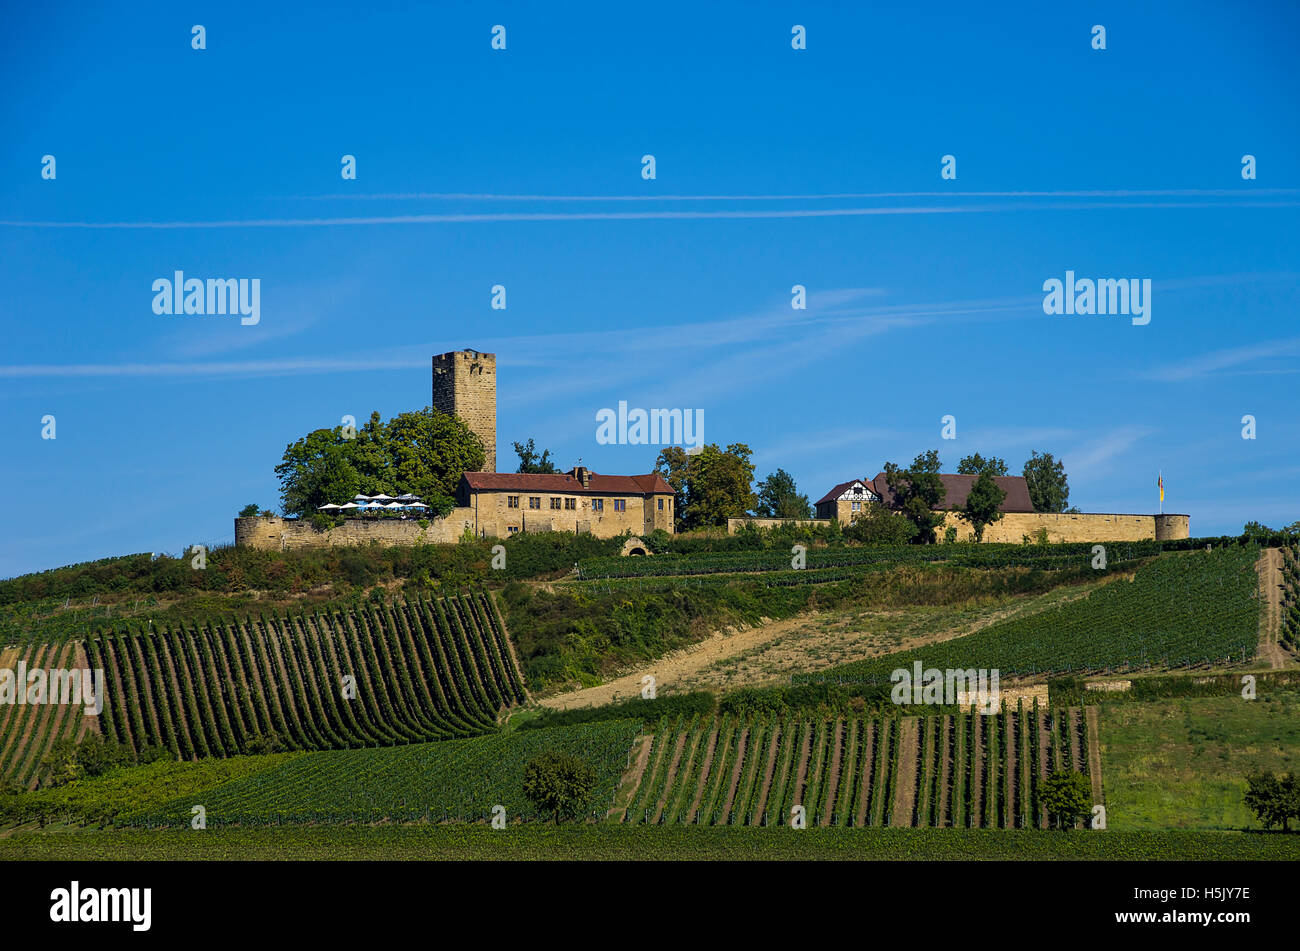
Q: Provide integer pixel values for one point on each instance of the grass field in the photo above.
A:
(1181, 763)
(639, 843)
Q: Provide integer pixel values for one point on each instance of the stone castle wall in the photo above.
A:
(465, 385)
(1014, 526)
(1084, 527)
(490, 518)
(287, 534)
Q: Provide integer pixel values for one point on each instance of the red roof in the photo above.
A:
(651, 484)
(843, 487)
(957, 487)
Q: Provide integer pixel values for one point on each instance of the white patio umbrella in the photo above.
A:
(381, 497)
(418, 505)
(360, 496)
(328, 505)
(393, 505)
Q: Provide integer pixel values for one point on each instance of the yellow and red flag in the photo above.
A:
(1160, 480)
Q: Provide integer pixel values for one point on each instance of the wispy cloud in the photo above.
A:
(1220, 360)
(215, 368)
(812, 444)
(1093, 458)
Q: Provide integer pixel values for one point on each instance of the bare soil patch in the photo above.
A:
(1269, 567)
(905, 796)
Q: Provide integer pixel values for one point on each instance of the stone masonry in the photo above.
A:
(465, 385)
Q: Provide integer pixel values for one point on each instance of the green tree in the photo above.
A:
(68, 760)
(422, 452)
(530, 461)
(1256, 531)
(778, 497)
(249, 510)
(560, 784)
(918, 493)
(428, 452)
(983, 504)
(877, 525)
(1273, 800)
(317, 469)
(673, 464)
(1049, 489)
(1067, 797)
(977, 465)
(711, 485)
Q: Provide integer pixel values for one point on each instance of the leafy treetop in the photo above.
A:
(421, 452)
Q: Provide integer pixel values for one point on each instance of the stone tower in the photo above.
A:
(465, 385)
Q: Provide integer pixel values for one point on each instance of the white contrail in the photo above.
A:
(203, 369)
(628, 215)
(825, 196)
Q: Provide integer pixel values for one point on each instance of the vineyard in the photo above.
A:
(27, 731)
(963, 770)
(459, 780)
(818, 562)
(1291, 596)
(379, 676)
(1181, 610)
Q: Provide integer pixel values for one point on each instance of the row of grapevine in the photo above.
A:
(28, 730)
(966, 770)
(1290, 620)
(376, 676)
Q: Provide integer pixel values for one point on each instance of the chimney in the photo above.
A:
(583, 475)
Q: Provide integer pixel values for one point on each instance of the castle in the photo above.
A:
(490, 504)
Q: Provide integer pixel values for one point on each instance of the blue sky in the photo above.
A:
(522, 167)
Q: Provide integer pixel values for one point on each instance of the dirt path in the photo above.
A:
(865, 771)
(704, 774)
(675, 666)
(905, 795)
(1269, 567)
(817, 641)
(945, 772)
(631, 778)
(1094, 752)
